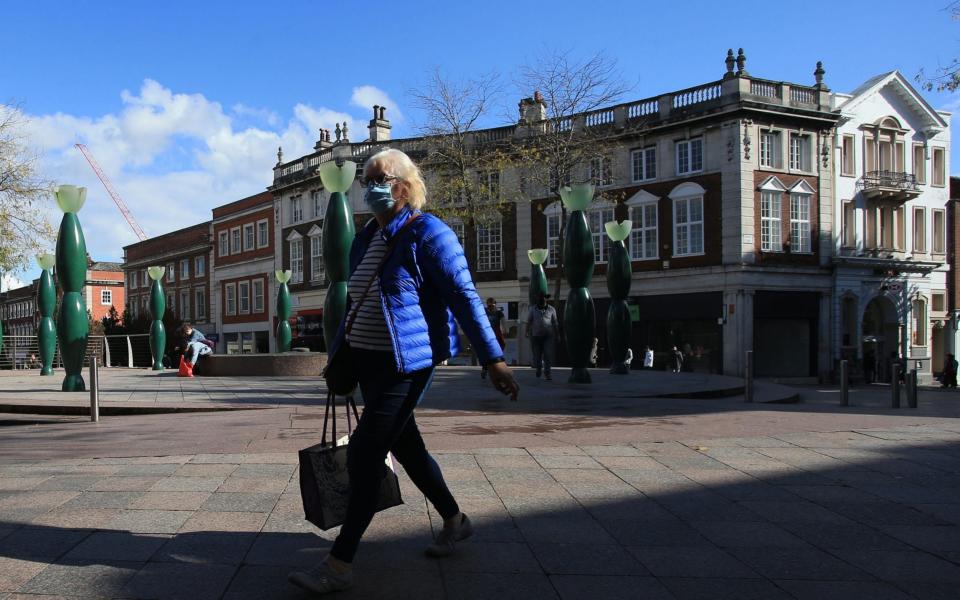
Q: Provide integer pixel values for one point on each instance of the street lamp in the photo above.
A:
(47, 303)
(338, 233)
(619, 324)
(284, 335)
(158, 306)
(579, 315)
(71, 259)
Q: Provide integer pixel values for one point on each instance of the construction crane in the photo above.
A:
(113, 193)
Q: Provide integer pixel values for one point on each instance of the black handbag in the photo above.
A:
(324, 481)
(342, 374)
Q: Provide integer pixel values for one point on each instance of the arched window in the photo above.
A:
(687, 219)
(644, 215)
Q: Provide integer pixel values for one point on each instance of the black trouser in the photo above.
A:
(387, 425)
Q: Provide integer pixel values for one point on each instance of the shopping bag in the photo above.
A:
(324, 481)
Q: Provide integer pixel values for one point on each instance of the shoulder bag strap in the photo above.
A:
(376, 273)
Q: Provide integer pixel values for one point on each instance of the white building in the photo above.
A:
(890, 277)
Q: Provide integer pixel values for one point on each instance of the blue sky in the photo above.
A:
(184, 103)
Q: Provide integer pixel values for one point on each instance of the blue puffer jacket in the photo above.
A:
(424, 280)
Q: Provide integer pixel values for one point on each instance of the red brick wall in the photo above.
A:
(253, 316)
(239, 222)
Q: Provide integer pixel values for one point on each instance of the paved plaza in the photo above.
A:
(606, 491)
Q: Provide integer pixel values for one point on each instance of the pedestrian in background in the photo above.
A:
(495, 315)
(949, 377)
(676, 360)
(647, 357)
(542, 329)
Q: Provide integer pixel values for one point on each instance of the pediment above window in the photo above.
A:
(802, 187)
(294, 235)
(686, 190)
(314, 231)
(772, 184)
(642, 197)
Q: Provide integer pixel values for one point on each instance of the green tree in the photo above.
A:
(24, 194)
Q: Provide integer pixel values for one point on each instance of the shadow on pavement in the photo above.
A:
(860, 515)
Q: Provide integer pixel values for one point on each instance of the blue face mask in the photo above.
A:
(379, 197)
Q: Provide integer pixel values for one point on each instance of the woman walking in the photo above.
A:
(417, 276)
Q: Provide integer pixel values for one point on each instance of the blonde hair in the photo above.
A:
(397, 163)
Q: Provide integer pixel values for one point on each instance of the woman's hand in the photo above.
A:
(502, 378)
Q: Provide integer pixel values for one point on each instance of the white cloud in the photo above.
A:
(366, 96)
(174, 156)
(9, 281)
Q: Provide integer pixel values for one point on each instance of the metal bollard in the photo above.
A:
(748, 377)
(895, 386)
(94, 390)
(844, 384)
(913, 388)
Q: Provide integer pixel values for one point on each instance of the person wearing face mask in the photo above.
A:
(409, 280)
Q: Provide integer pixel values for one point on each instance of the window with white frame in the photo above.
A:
(939, 167)
(106, 297)
(918, 321)
(687, 219)
(145, 278)
(171, 271)
(243, 294)
(800, 222)
(316, 201)
(316, 254)
(296, 260)
(770, 149)
(171, 302)
(200, 266)
(643, 235)
(235, 240)
(596, 217)
(296, 208)
(643, 163)
(848, 163)
(601, 171)
(490, 247)
(224, 243)
(690, 156)
(132, 280)
(230, 298)
(248, 237)
(263, 234)
(939, 232)
(258, 295)
(457, 227)
(770, 221)
(800, 152)
(489, 185)
(919, 229)
(184, 304)
(185, 269)
(553, 216)
(938, 302)
(849, 224)
(920, 163)
(200, 303)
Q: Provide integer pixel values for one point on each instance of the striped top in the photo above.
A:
(369, 326)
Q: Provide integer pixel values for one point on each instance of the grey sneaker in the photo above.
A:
(321, 579)
(448, 537)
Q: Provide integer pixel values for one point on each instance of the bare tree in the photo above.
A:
(564, 145)
(946, 77)
(462, 165)
(24, 229)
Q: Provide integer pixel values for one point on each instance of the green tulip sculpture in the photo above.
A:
(284, 335)
(158, 306)
(47, 303)
(338, 234)
(618, 284)
(72, 327)
(578, 316)
(538, 278)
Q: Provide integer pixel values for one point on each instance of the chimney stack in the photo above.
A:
(324, 141)
(379, 126)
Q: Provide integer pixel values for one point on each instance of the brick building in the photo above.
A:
(186, 255)
(105, 289)
(729, 185)
(243, 280)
